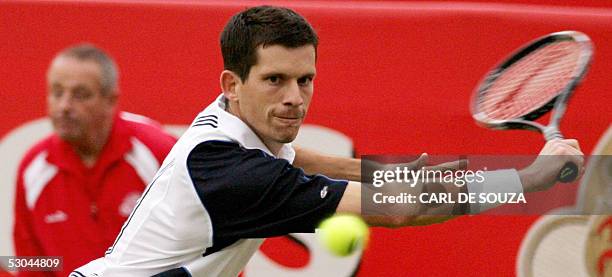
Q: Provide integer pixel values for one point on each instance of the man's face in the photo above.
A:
(75, 102)
(274, 98)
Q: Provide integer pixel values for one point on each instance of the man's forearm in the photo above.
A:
(334, 167)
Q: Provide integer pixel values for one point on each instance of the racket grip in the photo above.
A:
(568, 173)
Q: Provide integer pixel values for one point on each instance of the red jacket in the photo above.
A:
(64, 209)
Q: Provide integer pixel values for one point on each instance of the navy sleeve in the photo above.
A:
(250, 194)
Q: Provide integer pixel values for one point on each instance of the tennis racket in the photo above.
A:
(535, 79)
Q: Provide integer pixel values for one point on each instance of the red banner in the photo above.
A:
(394, 77)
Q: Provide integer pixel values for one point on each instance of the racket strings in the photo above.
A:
(515, 91)
(531, 82)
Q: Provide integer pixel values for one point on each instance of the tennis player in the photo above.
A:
(229, 182)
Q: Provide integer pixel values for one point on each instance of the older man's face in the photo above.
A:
(75, 102)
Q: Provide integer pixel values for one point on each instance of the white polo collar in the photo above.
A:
(240, 132)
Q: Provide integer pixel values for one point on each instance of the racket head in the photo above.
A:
(528, 83)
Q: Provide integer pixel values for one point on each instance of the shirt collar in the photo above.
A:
(239, 131)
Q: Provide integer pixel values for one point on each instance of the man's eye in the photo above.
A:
(56, 93)
(304, 81)
(82, 94)
(274, 79)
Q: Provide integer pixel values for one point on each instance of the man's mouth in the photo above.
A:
(289, 120)
(63, 121)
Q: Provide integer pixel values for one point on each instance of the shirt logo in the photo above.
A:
(128, 204)
(57, 216)
(324, 192)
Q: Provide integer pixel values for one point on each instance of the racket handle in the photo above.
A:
(552, 132)
(568, 173)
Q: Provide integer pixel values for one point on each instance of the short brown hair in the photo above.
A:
(262, 26)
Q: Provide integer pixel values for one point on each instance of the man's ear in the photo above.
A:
(113, 96)
(229, 80)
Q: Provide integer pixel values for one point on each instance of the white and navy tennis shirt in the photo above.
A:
(219, 192)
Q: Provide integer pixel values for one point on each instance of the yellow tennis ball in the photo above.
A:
(343, 234)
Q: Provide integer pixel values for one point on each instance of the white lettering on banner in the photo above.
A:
(128, 203)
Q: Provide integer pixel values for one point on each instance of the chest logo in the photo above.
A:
(324, 192)
(128, 204)
(56, 217)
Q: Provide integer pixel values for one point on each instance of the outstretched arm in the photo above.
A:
(540, 175)
(313, 162)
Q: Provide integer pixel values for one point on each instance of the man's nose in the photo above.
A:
(64, 102)
(293, 95)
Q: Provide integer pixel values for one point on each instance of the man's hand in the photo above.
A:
(415, 214)
(543, 172)
(370, 166)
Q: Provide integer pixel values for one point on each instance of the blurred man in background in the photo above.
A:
(76, 187)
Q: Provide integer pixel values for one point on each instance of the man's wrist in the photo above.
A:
(526, 177)
(497, 181)
(462, 208)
